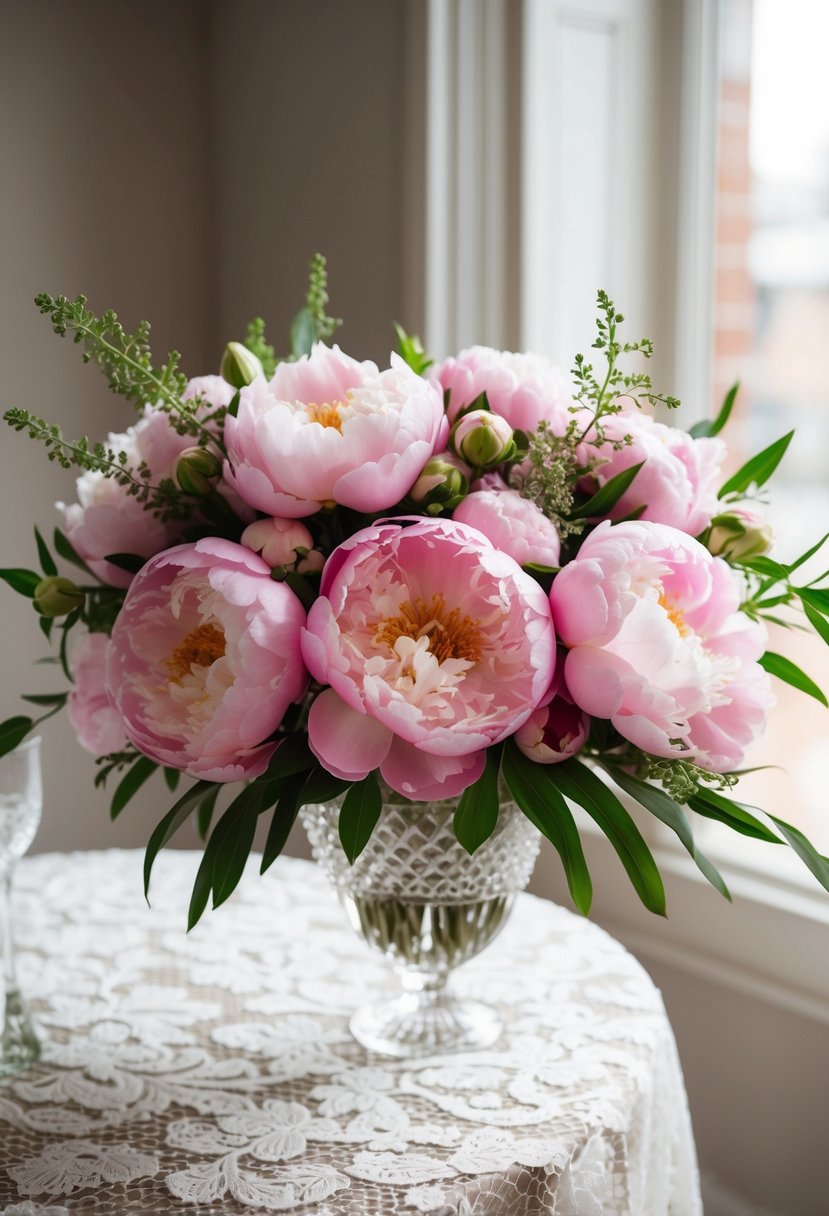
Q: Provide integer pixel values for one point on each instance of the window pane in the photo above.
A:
(772, 331)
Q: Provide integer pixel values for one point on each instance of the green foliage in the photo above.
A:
(477, 811)
(312, 323)
(787, 671)
(142, 769)
(358, 816)
(257, 344)
(410, 348)
(713, 426)
(757, 470)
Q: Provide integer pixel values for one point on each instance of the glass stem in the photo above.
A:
(6, 938)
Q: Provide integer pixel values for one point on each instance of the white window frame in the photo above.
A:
(466, 252)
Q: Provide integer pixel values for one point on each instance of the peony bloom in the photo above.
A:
(327, 429)
(523, 389)
(106, 519)
(557, 729)
(435, 645)
(658, 644)
(94, 718)
(205, 659)
(513, 524)
(679, 481)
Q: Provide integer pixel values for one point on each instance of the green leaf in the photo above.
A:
(358, 817)
(22, 581)
(47, 562)
(303, 333)
(815, 597)
(767, 566)
(204, 812)
(284, 818)
(477, 811)
(321, 786)
(734, 815)
(608, 495)
(171, 779)
(130, 784)
(237, 841)
(784, 669)
(50, 698)
(713, 426)
(64, 549)
(12, 733)
(819, 623)
(582, 786)
(130, 562)
(411, 349)
(46, 623)
(670, 813)
(171, 823)
(759, 469)
(804, 557)
(805, 850)
(533, 788)
(201, 891)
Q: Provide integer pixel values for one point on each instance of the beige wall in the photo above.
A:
(180, 162)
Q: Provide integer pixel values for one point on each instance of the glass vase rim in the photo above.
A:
(26, 746)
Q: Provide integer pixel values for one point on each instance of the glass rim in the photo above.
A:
(35, 740)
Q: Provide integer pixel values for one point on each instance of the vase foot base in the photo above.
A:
(412, 1026)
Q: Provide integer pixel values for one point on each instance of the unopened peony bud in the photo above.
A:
(740, 533)
(240, 366)
(198, 470)
(443, 483)
(57, 596)
(482, 439)
(283, 543)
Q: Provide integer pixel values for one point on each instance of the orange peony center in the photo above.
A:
(451, 634)
(675, 615)
(326, 414)
(201, 648)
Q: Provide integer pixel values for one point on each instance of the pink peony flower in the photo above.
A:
(658, 644)
(679, 481)
(556, 730)
(94, 718)
(205, 659)
(513, 524)
(435, 645)
(522, 388)
(329, 429)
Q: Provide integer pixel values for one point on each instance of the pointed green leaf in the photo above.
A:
(130, 562)
(582, 786)
(230, 860)
(815, 597)
(46, 623)
(171, 779)
(65, 550)
(284, 818)
(607, 495)
(302, 333)
(293, 755)
(804, 557)
(759, 469)
(130, 784)
(713, 426)
(673, 816)
(477, 811)
(784, 669)
(12, 733)
(767, 566)
(533, 788)
(51, 698)
(321, 786)
(819, 623)
(204, 812)
(23, 582)
(734, 815)
(805, 850)
(360, 811)
(201, 891)
(47, 562)
(171, 823)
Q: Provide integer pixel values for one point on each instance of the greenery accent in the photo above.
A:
(358, 816)
(476, 814)
(256, 343)
(758, 470)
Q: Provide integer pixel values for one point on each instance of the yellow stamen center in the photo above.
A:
(326, 414)
(202, 647)
(451, 634)
(675, 615)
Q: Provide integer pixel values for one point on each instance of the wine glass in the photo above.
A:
(20, 805)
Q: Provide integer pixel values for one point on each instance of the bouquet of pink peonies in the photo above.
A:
(309, 575)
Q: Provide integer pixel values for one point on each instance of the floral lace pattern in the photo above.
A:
(214, 1073)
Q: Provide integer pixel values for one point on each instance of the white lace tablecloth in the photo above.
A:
(214, 1073)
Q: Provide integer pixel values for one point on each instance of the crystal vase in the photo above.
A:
(419, 898)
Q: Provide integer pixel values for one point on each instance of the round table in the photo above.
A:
(214, 1072)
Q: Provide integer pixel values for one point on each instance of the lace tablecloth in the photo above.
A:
(214, 1073)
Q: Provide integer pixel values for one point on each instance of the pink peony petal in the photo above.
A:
(348, 743)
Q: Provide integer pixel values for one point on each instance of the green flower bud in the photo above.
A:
(197, 470)
(442, 484)
(483, 439)
(739, 534)
(240, 366)
(57, 596)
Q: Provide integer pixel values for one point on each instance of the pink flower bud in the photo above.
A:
(482, 439)
(740, 532)
(281, 542)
